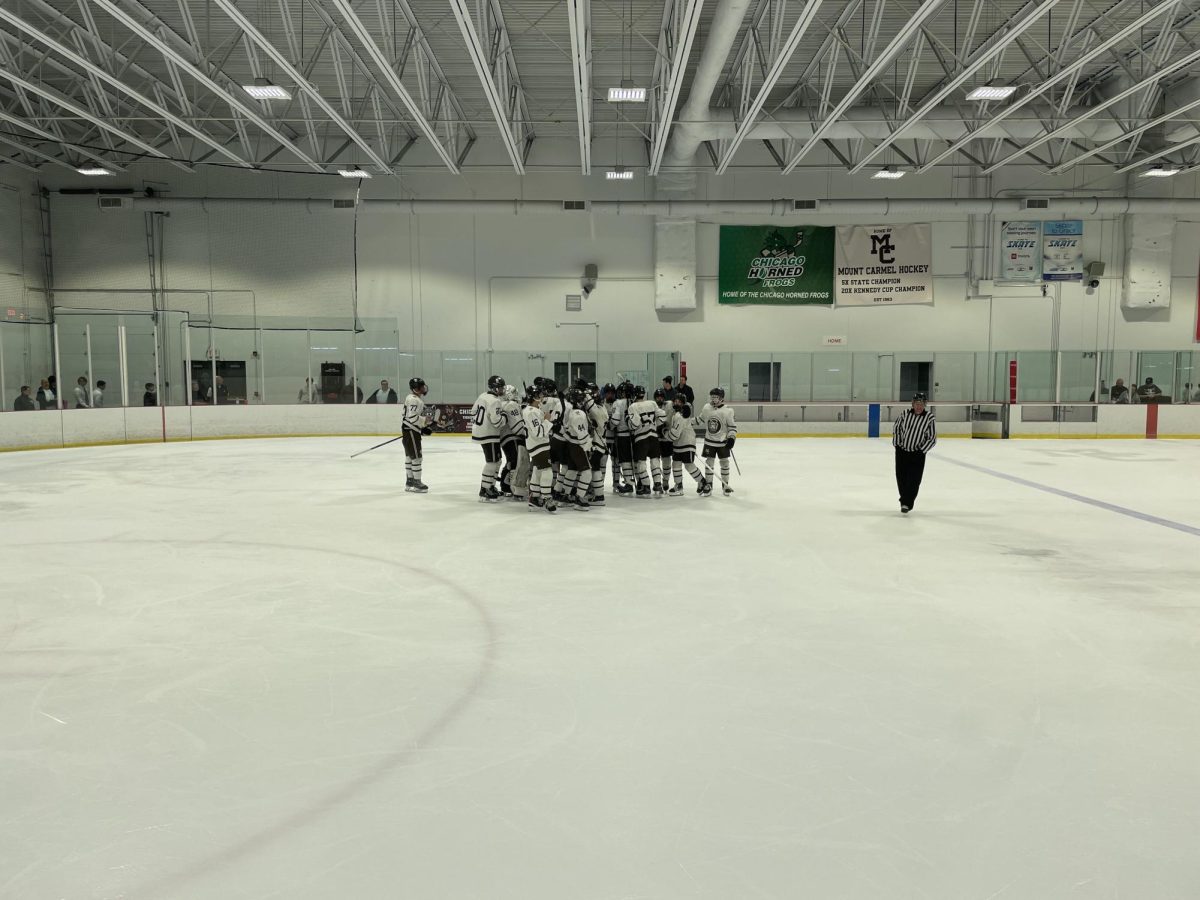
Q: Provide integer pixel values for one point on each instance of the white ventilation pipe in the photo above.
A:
(689, 129)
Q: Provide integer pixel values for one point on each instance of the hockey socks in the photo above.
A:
(408, 471)
(489, 476)
(725, 472)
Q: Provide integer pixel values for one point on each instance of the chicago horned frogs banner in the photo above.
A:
(776, 264)
(883, 265)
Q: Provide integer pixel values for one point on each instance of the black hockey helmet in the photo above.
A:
(639, 392)
(579, 384)
(417, 386)
(575, 397)
(532, 393)
(685, 409)
(549, 387)
(495, 385)
(717, 396)
(538, 381)
(609, 388)
(660, 394)
(919, 397)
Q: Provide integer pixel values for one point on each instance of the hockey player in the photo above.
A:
(487, 425)
(415, 424)
(683, 446)
(665, 413)
(598, 459)
(720, 432)
(553, 406)
(624, 437)
(537, 443)
(643, 422)
(576, 474)
(609, 396)
(512, 437)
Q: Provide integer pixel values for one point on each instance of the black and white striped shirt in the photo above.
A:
(914, 432)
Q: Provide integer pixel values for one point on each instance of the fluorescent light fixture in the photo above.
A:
(619, 175)
(354, 173)
(262, 89)
(1159, 172)
(993, 92)
(626, 94)
(887, 172)
(93, 170)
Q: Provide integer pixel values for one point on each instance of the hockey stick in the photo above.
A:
(735, 463)
(376, 447)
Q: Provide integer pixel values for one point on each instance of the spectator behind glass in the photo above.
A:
(684, 390)
(222, 394)
(384, 394)
(150, 398)
(1119, 393)
(1149, 389)
(98, 394)
(45, 395)
(24, 402)
(668, 388)
(310, 393)
(83, 399)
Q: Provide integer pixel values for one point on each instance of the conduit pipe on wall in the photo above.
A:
(874, 209)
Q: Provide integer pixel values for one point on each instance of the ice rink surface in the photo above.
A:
(259, 669)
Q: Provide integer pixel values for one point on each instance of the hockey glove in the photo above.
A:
(427, 431)
(729, 443)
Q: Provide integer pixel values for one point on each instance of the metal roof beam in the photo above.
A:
(251, 33)
(99, 73)
(881, 62)
(1041, 88)
(748, 115)
(681, 19)
(981, 59)
(579, 20)
(393, 80)
(71, 106)
(199, 75)
(498, 75)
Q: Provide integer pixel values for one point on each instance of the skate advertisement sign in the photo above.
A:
(776, 264)
(1062, 250)
(1020, 251)
(884, 265)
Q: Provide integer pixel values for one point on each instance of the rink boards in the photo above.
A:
(95, 427)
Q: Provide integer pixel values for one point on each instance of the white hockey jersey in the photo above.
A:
(514, 424)
(575, 428)
(620, 408)
(718, 423)
(537, 429)
(610, 427)
(681, 434)
(487, 419)
(598, 417)
(643, 418)
(414, 413)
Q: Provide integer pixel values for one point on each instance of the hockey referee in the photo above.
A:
(913, 435)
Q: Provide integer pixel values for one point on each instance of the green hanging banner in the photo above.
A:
(776, 264)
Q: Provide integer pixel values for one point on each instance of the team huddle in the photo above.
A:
(557, 448)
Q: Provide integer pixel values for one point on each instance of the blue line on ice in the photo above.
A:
(1080, 498)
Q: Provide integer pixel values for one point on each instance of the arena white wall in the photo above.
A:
(451, 280)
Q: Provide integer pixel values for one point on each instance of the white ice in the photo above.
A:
(259, 669)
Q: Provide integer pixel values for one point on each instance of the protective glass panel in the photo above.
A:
(24, 361)
(1156, 376)
(1077, 377)
(953, 376)
(831, 376)
(1035, 377)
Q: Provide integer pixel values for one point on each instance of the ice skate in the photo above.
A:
(676, 491)
(726, 489)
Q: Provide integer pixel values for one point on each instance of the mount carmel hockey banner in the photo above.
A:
(784, 264)
(883, 265)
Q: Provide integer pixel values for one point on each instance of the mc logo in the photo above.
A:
(882, 247)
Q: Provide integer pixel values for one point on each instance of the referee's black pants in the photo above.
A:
(910, 466)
